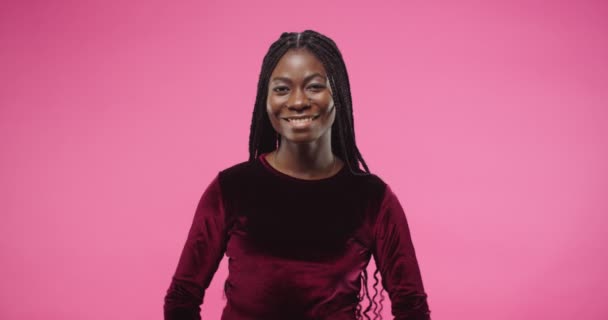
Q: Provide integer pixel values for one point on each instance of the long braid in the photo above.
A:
(263, 138)
(377, 306)
(327, 53)
(380, 303)
(364, 294)
(367, 295)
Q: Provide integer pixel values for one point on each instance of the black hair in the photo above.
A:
(263, 138)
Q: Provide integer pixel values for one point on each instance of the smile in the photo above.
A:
(300, 122)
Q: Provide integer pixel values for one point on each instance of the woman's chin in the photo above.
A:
(301, 139)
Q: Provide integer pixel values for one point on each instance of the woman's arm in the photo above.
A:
(396, 259)
(200, 257)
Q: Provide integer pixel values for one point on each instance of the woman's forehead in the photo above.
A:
(299, 60)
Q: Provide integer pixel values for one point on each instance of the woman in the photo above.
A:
(300, 219)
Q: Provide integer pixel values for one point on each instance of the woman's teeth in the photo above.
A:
(302, 120)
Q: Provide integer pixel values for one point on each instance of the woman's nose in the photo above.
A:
(298, 99)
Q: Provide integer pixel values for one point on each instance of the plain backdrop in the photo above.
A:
(487, 118)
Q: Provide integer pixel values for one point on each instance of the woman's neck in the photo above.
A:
(307, 161)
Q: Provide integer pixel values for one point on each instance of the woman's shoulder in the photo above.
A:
(364, 189)
(237, 168)
(369, 181)
(238, 173)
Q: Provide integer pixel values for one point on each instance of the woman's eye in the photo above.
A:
(280, 89)
(284, 89)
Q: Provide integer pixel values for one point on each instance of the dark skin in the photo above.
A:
(299, 88)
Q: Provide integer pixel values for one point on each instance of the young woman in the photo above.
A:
(300, 219)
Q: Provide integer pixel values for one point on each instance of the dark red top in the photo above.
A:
(296, 247)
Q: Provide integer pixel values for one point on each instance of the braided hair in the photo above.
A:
(263, 138)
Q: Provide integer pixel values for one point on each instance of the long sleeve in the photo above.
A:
(200, 257)
(395, 257)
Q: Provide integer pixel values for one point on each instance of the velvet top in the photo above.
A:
(296, 247)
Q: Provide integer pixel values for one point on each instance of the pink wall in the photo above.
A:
(488, 119)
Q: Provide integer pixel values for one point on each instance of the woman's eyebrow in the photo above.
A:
(316, 74)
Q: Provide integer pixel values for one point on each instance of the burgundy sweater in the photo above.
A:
(296, 247)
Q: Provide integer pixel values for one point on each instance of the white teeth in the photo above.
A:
(300, 120)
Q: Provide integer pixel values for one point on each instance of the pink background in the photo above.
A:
(488, 119)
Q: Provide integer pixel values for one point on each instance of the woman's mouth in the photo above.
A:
(300, 122)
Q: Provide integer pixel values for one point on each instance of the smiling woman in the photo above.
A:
(299, 81)
(300, 220)
(300, 105)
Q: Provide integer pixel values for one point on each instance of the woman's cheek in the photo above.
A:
(327, 101)
(271, 105)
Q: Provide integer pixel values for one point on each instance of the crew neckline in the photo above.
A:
(276, 172)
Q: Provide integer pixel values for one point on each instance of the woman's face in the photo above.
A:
(300, 105)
